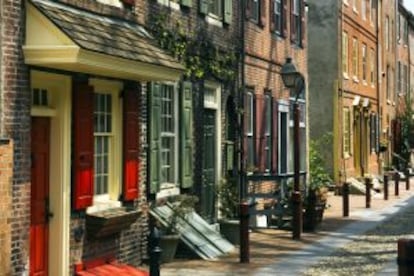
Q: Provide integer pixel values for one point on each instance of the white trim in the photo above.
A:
(216, 107)
(43, 111)
(59, 88)
(110, 200)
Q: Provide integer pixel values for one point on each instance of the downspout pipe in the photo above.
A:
(241, 90)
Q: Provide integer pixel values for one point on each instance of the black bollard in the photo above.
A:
(405, 258)
(396, 180)
(155, 252)
(244, 233)
(368, 192)
(345, 199)
(407, 179)
(385, 186)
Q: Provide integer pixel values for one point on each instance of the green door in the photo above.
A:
(208, 190)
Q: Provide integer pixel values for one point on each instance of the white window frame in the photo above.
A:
(111, 199)
(278, 16)
(372, 67)
(115, 3)
(175, 5)
(268, 132)
(214, 102)
(364, 9)
(250, 128)
(302, 126)
(346, 132)
(283, 107)
(345, 51)
(364, 63)
(355, 64)
(171, 188)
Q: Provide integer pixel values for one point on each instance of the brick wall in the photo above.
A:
(6, 171)
(130, 245)
(16, 125)
(265, 55)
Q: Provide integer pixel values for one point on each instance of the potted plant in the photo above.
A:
(178, 207)
(319, 182)
(228, 194)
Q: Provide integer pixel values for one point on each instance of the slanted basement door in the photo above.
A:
(196, 233)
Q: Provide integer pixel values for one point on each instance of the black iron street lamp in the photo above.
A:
(294, 80)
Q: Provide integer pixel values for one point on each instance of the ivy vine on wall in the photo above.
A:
(201, 57)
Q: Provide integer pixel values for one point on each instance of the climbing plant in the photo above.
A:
(201, 57)
(407, 128)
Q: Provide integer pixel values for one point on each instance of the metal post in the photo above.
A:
(296, 194)
(385, 186)
(345, 199)
(396, 180)
(405, 258)
(155, 251)
(367, 192)
(407, 179)
(244, 233)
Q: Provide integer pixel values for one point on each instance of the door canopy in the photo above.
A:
(63, 37)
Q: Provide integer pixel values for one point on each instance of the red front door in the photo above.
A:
(39, 230)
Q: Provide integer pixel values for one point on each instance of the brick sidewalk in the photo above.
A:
(268, 246)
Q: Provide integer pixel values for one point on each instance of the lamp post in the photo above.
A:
(294, 80)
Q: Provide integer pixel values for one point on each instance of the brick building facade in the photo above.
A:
(344, 83)
(79, 81)
(48, 227)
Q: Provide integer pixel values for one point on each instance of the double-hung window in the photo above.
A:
(364, 63)
(278, 16)
(249, 131)
(296, 28)
(255, 10)
(216, 8)
(168, 135)
(170, 138)
(355, 58)
(346, 124)
(372, 67)
(103, 140)
(345, 66)
(267, 132)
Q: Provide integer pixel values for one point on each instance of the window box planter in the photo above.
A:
(109, 222)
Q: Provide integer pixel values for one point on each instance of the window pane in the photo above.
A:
(167, 134)
(102, 134)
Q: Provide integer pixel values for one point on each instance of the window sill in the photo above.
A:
(345, 75)
(355, 79)
(110, 221)
(214, 20)
(102, 205)
(364, 83)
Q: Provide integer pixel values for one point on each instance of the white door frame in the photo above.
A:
(59, 110)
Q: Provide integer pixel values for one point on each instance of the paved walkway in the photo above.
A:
(273, 252)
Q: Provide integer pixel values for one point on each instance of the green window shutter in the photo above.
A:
(228, 11)
(186, 136)
(203, 6)
(187, 3)
(154, 98)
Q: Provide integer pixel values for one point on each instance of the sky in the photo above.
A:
(409, 4)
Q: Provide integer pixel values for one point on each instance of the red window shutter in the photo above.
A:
(260, 128)
(272, 15)
(263, 12)
(83, 145)
(275, 141)
(131, 145)
(285, 18)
